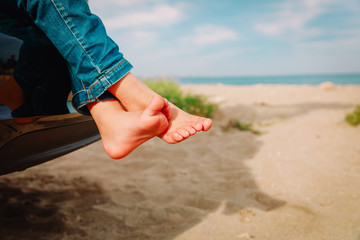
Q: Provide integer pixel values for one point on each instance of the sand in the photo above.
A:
(300, 179)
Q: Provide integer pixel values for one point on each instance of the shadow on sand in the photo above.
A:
(46, 207)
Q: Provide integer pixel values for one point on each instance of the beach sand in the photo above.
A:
(299, 179)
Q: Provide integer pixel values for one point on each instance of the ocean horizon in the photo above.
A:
(339, 79)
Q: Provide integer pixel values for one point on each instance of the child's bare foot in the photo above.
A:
(122, 131)
(183, 125)
(135, 96)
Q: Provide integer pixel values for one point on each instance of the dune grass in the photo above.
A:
(234, 123)
(194, 103)
(191, 103)
(353, 118)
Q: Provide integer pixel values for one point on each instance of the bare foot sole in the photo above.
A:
(122, 131)
(183, 125)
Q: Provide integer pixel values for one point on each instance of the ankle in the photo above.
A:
(132, 93)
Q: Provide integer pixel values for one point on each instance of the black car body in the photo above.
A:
(31, 140)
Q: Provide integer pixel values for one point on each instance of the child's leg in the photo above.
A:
(122, 131)
(135, 96)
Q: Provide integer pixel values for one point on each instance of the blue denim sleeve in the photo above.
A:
(94, 60)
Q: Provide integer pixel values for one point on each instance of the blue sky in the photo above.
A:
(235, 37)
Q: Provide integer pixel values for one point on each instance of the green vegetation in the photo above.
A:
(234, 123)
(191, 103)
(354, 117)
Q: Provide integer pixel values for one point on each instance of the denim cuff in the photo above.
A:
(98, 90)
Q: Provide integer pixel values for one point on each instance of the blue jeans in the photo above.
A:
(63, 40)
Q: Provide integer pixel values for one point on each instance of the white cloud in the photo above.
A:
(210, 34)
(163, 15)
(293, 15)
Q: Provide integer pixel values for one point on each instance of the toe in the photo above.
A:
(207, 123)
(166, 109)
(191, 130)
(177, 137)
(183, 132)
(155, 106)
(198, 127)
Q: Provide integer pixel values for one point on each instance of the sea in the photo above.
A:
(342, 79)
